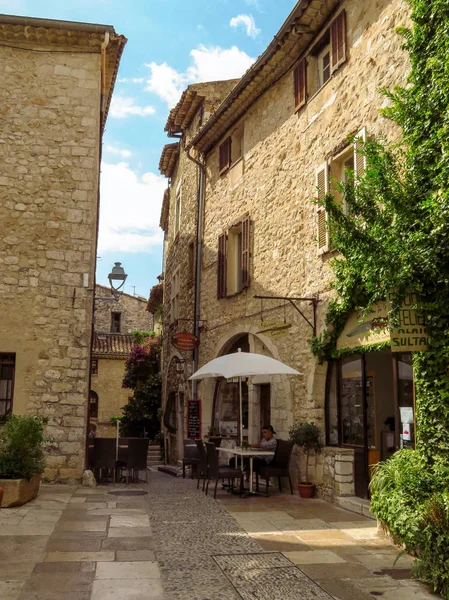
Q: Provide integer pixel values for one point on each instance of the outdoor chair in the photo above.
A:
(137, 457)
(104, 455)
(216, 441)
(202, 467)
(279, 467)
(191, 457)
(215, 471)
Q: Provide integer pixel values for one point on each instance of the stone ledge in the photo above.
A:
(361, 506)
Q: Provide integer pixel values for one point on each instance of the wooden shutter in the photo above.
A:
(338, 41)
(300, 83)
(225, 155)
(221, 271)
(322, 185)
(246, 225)
(359, 159)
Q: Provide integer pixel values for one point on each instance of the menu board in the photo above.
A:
(194, 419)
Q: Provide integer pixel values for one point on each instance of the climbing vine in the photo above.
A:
(391, 238)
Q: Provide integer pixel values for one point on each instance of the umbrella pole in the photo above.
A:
(241, 419)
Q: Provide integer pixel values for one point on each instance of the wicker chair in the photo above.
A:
(104, 455)
(279, 467)
(137, 457)
(215, 471)
(191, 457)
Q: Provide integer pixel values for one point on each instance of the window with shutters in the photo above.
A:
(93, 405)
(7, 372)
(322, 188)
(233, 259)
(174, 295)
(324, 58)
(225, 150)
(231, 150)
(348, 165)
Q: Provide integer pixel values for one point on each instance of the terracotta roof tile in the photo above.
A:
(112, 344)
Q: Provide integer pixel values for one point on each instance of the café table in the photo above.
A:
(250, 453)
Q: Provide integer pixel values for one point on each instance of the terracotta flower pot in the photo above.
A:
(306, 489)
(1, 496)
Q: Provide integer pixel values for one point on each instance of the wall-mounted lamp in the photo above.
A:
(117, 274)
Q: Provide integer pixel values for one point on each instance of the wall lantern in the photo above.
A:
(115, 276)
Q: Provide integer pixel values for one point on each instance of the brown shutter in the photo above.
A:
(359, 159)
(300, 83)
(225, 155)
(246, 225)
(322, 188)
(221, 272)
(338, 41)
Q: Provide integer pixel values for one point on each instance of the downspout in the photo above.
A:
(104, 45)
(199, 254)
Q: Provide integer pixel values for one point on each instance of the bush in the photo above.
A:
(22, 443)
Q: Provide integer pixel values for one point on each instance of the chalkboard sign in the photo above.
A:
(194, 419)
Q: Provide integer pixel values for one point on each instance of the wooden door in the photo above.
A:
(265, 405)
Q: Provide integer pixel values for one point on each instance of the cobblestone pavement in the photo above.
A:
(173, 543)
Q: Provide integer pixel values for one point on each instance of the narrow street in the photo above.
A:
(168, 541)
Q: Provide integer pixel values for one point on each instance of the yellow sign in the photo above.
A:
(411, 334)
(274, 328)
(363, 329)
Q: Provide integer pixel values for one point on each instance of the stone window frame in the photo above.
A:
(306, 79)
(93, 404)
(116, 321)
(233, 258)
(230, 151)
(7, 367)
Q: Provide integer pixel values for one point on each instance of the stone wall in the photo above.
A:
(132, 309)
(49, 157)
(276, 185)
(107, 383)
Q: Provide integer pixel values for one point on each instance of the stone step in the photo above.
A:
(153, 463)
(361, 506)
(169, 470)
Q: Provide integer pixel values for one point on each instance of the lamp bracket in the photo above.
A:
(312, 300)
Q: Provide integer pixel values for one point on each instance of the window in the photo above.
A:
(346, 166)
(94, 366)
(93, 405)
(231, 150)
(325, 57)
(174, 301)
(116, 318)
(177, 223)
(233, 259)
(7, 371)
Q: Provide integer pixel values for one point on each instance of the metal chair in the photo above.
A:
(202, 467)
(104, 455)
(279, 467)
(137, 456)
(214, 471)
(191, 457)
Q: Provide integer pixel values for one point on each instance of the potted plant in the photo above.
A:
(308, 437)
(22, 458)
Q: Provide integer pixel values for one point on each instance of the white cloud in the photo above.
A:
(130, 79)
(209, 64)
(129, 209)
(248, 23)
(118, 151)
(122, 107)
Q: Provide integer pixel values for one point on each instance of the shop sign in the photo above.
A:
(411, 334)
(184, 341)
(274, 329)
(362, 329)
(194, 419)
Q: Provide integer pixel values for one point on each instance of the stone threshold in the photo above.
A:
(361, 506)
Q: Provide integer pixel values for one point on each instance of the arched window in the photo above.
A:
(93, 405)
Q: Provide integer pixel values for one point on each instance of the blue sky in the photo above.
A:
(171, 43)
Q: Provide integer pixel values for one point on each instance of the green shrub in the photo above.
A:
(22, 443)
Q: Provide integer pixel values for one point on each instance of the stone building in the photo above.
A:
(57, 82)
(116, 316)
(280, 134)
(179, 218)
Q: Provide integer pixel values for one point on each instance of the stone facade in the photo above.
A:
(274, 182)
(132, 309)
(50, 101)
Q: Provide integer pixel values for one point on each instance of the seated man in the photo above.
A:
(268, 442)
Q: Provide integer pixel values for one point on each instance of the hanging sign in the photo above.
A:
(274, 328)
(362, 329)
(411, 334)
(194, 419)
(184, 341)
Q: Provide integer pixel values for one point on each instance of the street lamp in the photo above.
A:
(117, 274)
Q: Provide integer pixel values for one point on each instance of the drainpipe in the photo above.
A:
(199, 252)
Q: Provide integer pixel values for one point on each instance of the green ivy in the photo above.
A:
(393, 239)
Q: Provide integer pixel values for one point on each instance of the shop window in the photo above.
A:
(351, 401)
(93, 405)
(94, 366)
(233, 259)
(174, 296)
(116, 319)
(7, 372)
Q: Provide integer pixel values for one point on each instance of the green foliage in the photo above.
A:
(141, 416)
(393, 239)
(22, 443)
(308, 437)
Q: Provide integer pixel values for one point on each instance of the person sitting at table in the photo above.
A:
(268, 442)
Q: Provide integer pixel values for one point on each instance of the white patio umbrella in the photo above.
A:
(242, 364)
